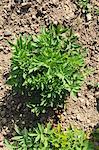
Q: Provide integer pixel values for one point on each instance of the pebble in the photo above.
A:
(90, 96)
(17, 1)
(39, 1)
(1, 48)
(80, 118)
(79, 94)
(18, 11)
(6, 50)
(82, 100)
(26, 5)
(19, 106)
(55, 2)
(97, 95)
(1, 144)
(87, 103)
(12, 5)
(1, 87)
(4, 121)
(88, 121)
(55, 22)
(7, 33)
(33, 17)
(89, 17)
(20, 115)
(1, 37)
(23, 122)
(2, 113)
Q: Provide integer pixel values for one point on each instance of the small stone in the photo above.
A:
(90, 96)
(12, 5)
(55, 2)
(1, 87)
(55, 22)
(33, 17)
(26, 5)
(6, 50)
(18, 11)
(62, 118)
(97, 95)
(80, 118)
(13, 16)
(1, 103)
(23, 122)
(9, 107)
(20, 115)
(88, 121)
(1, 144)
(18, 1)
(79, 94)
(1, 48)
(7, 33)
(4, 121)
(1, 37)
(89, 17)
(3, 132)
(2, 113)
(87, 103)
(39, 1)
(92, 125)
(19, 106)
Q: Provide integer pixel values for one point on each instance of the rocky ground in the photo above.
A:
(17, 16)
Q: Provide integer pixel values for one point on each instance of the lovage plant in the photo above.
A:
(47, 67)
(48, 138)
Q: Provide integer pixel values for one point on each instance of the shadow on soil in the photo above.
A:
(13, 110)
(95, 137)
(97, 100)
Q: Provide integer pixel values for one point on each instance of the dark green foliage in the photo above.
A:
(47, 138)
(96, 138)
(47, 67)
(83, 3)
(96, 134)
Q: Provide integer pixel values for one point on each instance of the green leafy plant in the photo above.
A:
(48, 138)
(97, 85)
(96, 11)
(96, 138)
(83, 4)
(47, 67)
(36, 139)
(96, 134)
(22, 141)
(71, 139)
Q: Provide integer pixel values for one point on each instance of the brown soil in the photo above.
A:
(28, 17)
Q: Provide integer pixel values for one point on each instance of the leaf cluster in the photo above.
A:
(48, 138)
(83, 4)
(47, 67)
